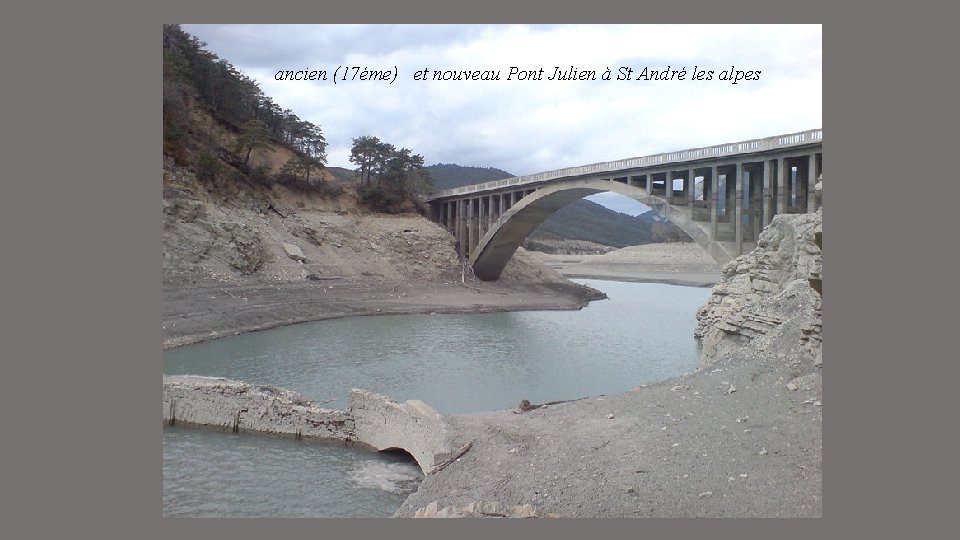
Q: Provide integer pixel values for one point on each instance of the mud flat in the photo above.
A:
(200, 310)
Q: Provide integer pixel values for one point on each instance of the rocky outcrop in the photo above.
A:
(245, 247)
(293, 252)
(768, 301)
(191, 236)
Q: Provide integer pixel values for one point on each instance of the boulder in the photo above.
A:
(294, 252)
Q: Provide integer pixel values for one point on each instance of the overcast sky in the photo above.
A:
(530, 126)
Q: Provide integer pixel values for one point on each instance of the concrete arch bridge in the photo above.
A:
(722, 196)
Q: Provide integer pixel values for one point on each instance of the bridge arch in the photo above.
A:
(497, 246)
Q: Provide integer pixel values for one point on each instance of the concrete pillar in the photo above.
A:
(513, 199)
(461, 228)
(474, 224)
(767, 209)
(691, 188)
(490, 214)
(714, 198)
(484, 212)
(465, 239)
(490, 211)
(756, 204)
(783, 174)
(737, 214)
(811, 181)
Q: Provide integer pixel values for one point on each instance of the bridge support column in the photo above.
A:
(811, 181)
(737, 214)
(714, 201)
(454, 217)
(468, 240)
(691, 187)
(490, 212)
(474, 224)
(782, 173)
(482, 215)
(767, 191)
(461, 228)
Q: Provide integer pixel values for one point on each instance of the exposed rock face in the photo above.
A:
(766, 302)
(245, 247)
(191, 236)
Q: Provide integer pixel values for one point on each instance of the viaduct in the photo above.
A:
(722, 196)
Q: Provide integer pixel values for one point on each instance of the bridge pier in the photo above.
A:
(714, 201)
(462, 227)
(811, 182)
(737, 214)
(781, 185)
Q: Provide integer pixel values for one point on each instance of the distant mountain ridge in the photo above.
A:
(579, 220)
(450, 175)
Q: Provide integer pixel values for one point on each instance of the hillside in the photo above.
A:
(449, 175)
(248, 200)
(580, 227)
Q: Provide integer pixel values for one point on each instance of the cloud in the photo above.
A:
(530, 126)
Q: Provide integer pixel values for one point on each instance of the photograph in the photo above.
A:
(492, 270)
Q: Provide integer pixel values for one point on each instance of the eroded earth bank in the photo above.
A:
(262, 260)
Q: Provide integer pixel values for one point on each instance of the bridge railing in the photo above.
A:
(720, 150)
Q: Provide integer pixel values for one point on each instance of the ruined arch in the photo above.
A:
(498, 245)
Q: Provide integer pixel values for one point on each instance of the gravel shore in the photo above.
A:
(733, 441)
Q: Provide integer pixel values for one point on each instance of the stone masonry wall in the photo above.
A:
(413, 426)
(241, 407)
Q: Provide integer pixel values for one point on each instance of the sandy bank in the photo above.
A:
(673, 263)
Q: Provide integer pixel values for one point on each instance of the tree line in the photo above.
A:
(232, 96)
(190, 72)
(388, 175)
